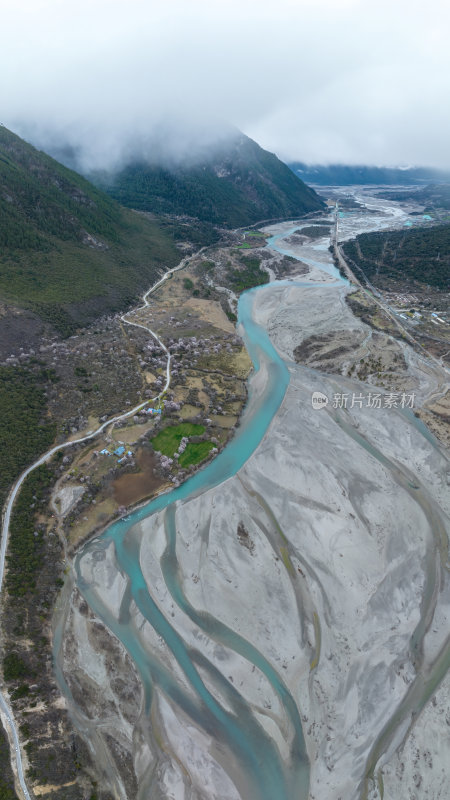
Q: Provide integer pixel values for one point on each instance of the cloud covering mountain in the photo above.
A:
(323, 81)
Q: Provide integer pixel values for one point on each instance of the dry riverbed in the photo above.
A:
(96, 374)
(321, 554)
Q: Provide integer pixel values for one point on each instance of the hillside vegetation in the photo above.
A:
(6, 776)
(25, 431)
(432, 197)
(421, 255)
(68, 251)
(237, 185)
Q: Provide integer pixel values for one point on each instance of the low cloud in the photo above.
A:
(315, 81)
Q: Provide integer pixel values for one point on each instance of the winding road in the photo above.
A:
(170, 567)
(6, 714)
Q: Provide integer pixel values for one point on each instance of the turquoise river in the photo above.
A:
(237, 731)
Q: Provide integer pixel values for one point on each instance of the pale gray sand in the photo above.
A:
(324, 557)
(328, 588)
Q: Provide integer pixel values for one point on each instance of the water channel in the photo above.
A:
(232, 724)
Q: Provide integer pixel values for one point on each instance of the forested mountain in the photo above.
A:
(68, 252)
(235, 185)
(348, 174)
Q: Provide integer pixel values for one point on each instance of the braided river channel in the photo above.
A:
(255, 765)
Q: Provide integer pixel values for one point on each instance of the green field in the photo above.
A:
(168, 440)
(194, 453)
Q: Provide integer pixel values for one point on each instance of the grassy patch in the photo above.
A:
(168, 440)
(194, 453)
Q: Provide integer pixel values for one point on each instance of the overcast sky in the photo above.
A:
(353, 81)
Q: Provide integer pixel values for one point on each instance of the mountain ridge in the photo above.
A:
(236, 184)
(68, 252)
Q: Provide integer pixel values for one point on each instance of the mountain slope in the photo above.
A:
(236, 185)
(68, 252)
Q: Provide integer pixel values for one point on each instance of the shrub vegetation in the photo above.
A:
(422, 255)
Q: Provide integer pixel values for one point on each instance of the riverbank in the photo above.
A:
(308, 576)
(375, 586)
(241, 600)
(89, 492)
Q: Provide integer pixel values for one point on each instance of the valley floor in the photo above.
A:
(282, 633)
(308, 595)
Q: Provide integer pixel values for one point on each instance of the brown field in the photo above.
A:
(130, 489)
